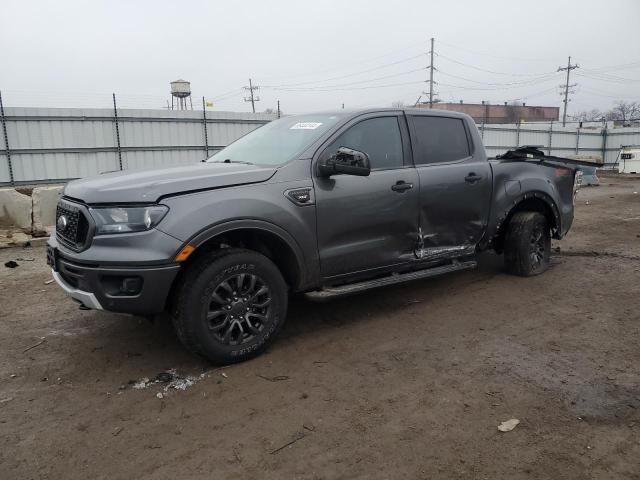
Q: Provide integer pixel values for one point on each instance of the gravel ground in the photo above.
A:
(410, 381)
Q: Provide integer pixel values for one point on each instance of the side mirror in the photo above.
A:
(346, 161)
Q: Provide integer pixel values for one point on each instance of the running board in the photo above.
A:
(330, 292)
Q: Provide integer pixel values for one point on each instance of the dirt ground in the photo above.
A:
(404, 382)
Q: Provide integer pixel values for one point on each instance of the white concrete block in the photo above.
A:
(15, 210)
(45, 200)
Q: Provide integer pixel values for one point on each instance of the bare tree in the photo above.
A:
(514, 112)
(397, 104)
(593, 115)
(624, 111)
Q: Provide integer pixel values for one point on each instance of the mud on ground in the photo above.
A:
(404, 382)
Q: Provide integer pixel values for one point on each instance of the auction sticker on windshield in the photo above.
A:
(306, 126)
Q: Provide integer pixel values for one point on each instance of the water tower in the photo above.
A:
(181, 91)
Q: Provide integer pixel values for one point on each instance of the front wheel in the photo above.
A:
(230, 306)
(527, 245)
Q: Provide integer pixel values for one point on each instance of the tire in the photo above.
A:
(210, 323)
(527, 244)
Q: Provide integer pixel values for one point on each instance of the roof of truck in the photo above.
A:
(408, 111)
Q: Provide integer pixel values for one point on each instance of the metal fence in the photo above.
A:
(53, 145)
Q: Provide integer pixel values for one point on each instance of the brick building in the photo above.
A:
(500, 113)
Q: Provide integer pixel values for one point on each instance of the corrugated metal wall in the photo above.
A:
(49, 144)
(56, 144)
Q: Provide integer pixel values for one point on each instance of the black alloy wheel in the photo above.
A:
(239, 309)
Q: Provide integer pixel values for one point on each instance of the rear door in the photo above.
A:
(455, 184)
(366, 223)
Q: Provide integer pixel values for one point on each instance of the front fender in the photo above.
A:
(198, 217)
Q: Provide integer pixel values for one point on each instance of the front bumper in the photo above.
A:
(87, 299)
(100, 287)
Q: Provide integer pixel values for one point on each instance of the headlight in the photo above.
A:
(127, 219)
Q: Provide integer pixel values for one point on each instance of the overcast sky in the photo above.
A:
(317, 55)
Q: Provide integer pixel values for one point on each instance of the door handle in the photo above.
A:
(401, 186)
(472, 178)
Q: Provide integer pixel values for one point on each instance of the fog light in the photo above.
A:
(131, 285)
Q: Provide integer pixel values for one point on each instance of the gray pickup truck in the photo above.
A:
(328, 204)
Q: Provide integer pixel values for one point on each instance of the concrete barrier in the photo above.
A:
(15, 211)
(44, 201)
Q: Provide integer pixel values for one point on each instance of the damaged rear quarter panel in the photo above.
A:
(518, 181)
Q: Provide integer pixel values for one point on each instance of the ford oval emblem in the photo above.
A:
(62, 223)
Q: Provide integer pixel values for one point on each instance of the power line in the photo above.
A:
(568, 69)
(344, 76)
(352, 64)
(492, 55)
(468, 65)
(609, 78)
(325, 87)
(521, 82)
(322, 89)
(621, 66)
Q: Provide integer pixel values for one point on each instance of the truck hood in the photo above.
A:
(146, 186)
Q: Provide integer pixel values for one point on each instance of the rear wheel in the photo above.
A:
(527, 245)
(230, 306)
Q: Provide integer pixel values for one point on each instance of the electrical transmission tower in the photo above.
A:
(431, 83)
(565, 88)
(252, 98)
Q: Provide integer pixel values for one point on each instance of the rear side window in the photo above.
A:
(440, 139)
(377, 137)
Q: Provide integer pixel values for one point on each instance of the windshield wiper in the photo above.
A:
(228, 160)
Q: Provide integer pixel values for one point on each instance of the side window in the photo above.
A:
(440, 139)
(377, 137)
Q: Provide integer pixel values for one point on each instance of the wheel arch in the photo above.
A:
(528, 202)
(266, 238)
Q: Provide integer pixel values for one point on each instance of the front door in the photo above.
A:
(365, 223)
(455, 186)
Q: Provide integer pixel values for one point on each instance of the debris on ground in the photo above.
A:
(165, 377)
(48, 282)
(169, 378)
(299, 436)
(159, 395)
(29, 259)
(42, 340)
(277, 378)
(508, 425)
(224, 375)
(142, 383)
(117, 431)
(11, 264)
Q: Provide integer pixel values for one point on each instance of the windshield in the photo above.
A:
(276, 142)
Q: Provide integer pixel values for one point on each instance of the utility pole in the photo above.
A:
(431, 76)
(431, 83)
(566, 87)
(252, 98)
(278, 108)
